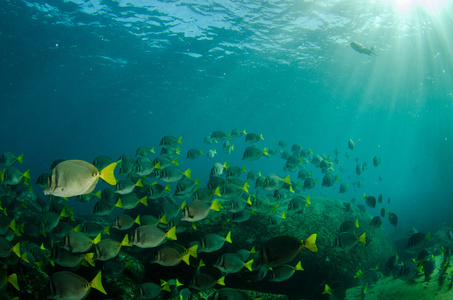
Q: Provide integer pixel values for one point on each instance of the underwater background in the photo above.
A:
(80, 79)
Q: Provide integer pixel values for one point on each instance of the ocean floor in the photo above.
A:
(396, 289)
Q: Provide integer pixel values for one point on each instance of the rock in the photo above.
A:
(324, 217)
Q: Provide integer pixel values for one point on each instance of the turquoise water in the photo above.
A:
(81, 79)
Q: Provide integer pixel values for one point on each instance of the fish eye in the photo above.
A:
(191, 216)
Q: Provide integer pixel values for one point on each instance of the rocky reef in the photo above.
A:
(327, 266)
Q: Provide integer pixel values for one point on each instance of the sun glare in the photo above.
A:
(408, 5)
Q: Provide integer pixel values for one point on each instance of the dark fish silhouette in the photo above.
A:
(362, 49)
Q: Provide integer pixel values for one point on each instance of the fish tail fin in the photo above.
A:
(356, 224)
(97, 239)
(362, 238)
(298, 267)
(144, 201)
(274, 208)
(265, 152)
(197, 182)
(186, 258)
(167, 187)
(188, 173)
(2, 175)
(183, 205)
(215, 205)
(107, 174)
(63, 213)
(228, 237)
(327, 290)
(137, 221)
(287, 180)
(217, 192)
(118, 203)
(310, 243)
(193, 251)
(125, 241)
(89, 258)
(171, 234)
(139, 183)
(20, 158)
(157, 166)
(175, 161)
(221, 280)
(249, 264)
(359, 274)
(96, 283)
(24, 257)
(12, 279)
(307, 201)
(163, 219)
(244, 188)
(180, 140)
(166, 287)
(428, 236)
(16, 249)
